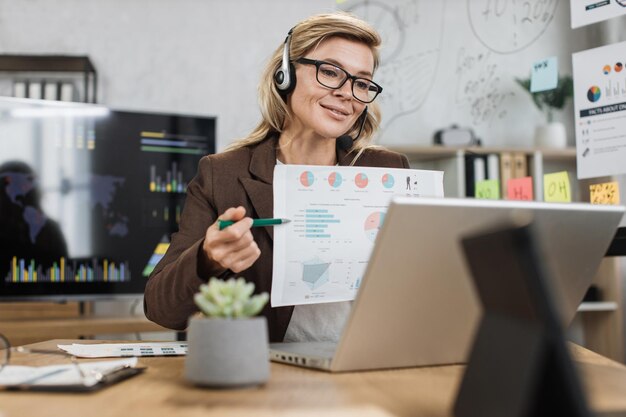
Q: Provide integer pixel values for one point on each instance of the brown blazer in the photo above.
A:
(240, 177)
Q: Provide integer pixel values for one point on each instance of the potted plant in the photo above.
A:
(552, 134)
(228, 346)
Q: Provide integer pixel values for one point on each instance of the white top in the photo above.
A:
(317, 322)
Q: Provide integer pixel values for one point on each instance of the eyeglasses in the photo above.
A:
(332, 76)
(5, 357)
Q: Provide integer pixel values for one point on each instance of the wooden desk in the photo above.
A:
(162, 391)
(20, 331)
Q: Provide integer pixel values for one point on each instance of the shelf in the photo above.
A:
(56, 64)
(46, 63)
(418, 153)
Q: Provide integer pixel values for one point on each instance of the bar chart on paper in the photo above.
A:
(315, 223)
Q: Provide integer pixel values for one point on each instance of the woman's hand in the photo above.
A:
(234, 247)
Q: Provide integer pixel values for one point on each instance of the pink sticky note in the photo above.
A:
(519, 189)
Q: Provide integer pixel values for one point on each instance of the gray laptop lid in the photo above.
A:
(417, 306)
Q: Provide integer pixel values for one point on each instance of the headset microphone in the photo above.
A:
(345, 142)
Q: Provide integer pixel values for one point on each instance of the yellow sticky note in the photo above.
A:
(487, 189)
(556, 187)
(604, 193)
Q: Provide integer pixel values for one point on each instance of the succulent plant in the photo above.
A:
(229, 299)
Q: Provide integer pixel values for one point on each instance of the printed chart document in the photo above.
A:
(600, 110)
(586, 12)
(116, 350)
(335, 213)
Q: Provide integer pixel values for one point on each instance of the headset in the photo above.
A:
(285, 79)
(285, 76)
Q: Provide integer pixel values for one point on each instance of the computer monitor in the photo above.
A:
(89, 196)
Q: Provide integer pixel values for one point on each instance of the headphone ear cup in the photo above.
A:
(287, 88)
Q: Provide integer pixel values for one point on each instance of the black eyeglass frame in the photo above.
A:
(349, 76)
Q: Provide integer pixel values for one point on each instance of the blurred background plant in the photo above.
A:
(550, 100)
(229, 299)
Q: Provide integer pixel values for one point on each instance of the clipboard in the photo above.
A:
(94, 382)
(107, 380)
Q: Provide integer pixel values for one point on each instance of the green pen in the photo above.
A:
(223, 224)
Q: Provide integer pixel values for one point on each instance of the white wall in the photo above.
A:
(205, 57)
(189, 56)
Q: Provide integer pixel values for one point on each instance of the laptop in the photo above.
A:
(417, 305)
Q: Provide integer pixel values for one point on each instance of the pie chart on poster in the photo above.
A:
(307, 179)
(361, 180)
(388, 181)
(593, 94)
(373, 223)
(335, 179)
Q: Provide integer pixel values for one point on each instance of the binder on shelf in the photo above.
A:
(35, 90)
(493, 167)
(475, 171)
(67, 92)
(50, 90)
(520, 165)
(19, 89)
(506, 170)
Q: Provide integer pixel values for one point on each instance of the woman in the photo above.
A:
(316, 88)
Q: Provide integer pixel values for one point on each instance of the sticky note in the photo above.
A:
(544, 75)
(519, 189)
(604, 193)
(487, 189)
(556, 187)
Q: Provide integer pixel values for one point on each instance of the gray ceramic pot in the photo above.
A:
(225, 353)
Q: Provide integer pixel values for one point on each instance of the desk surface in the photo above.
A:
(161, 390)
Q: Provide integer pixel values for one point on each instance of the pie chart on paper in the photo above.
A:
(335, 179)
(307, 178)
(361, 180)
(388, 181)
(373, 223)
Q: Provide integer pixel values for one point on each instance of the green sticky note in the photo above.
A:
(556, 188)
(487, 189)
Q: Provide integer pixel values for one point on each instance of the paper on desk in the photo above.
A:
(336, 213)
(117, 350)
(61, 375)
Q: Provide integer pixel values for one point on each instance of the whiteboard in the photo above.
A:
(455, 62)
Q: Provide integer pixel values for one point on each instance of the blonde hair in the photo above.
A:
(305, 36)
